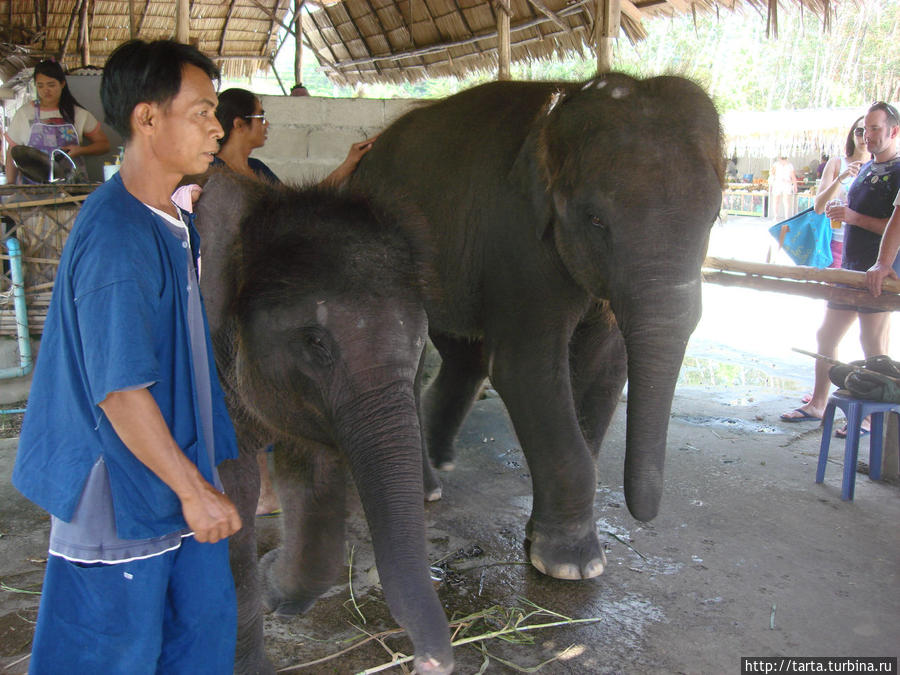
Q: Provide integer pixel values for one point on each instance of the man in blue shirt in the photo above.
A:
(126, 421)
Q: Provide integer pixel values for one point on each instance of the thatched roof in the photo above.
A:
(407, 40)
(240, 34)
(354, 40)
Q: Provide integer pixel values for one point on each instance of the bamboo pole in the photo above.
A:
(798, 272)
(182, 21)
(886, 302)
(298, 42)
(608, 17)
(504, 50)
(12, 206)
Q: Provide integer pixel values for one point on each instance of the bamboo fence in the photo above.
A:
(40, 217)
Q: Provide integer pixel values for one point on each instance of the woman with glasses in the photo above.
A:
(837, 176)
(243, 119)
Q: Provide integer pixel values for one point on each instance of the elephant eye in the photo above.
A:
(316, 347)
(596, 221)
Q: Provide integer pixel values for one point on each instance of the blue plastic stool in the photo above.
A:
(856, 410)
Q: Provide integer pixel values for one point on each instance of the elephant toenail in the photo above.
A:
(567, 572)
(594, 569)
(539, 565)
(620, 92)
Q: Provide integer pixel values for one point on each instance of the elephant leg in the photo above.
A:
(599, 370)
(450, 396)
(311, 485)
(430, 482)
(240, 478)
(533, 379)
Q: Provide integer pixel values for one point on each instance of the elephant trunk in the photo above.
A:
(656, 325)
(379, 431)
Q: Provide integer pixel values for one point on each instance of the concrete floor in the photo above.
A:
(748, 557)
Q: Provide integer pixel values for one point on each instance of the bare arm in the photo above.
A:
(348, 166)
(99, 144)
(12, 172)
(139, 423)
(887, 252)
(848, 215)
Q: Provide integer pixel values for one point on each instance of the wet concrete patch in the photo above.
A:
(734, 424)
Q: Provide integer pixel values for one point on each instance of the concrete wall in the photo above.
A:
(309, 136)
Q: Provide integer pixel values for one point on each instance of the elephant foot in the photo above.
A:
(432, 484)
(273, 598)
(565, 557)
(442, 455)
(432, 666)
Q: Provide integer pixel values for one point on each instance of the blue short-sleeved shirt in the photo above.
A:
(118, 319)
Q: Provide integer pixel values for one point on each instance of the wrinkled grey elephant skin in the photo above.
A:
(315, 306)
(570, 223)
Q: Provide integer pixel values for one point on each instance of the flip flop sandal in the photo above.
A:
(804, 416)
(842, 432)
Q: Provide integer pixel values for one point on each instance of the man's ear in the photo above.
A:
(143, 118)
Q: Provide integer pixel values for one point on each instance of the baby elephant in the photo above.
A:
(315, 305)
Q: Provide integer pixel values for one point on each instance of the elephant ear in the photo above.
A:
(530, 172)
(219, 212)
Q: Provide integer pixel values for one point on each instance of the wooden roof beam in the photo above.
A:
(225, 27)
(272, 24)
(550, 14)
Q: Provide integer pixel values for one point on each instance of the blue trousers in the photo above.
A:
(172, 613)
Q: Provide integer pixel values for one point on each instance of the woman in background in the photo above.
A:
(837, 176)
(55, 121)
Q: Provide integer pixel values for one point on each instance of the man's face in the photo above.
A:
(186, 138)
(880, 136)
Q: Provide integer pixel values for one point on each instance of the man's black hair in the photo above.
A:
(146, 72)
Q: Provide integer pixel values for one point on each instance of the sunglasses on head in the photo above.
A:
(859, 131)
(888, 109)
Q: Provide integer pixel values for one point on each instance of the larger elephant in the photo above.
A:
(570, 223)
(316, 313)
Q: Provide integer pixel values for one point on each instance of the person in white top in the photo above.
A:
(782, 187)
(54, 121)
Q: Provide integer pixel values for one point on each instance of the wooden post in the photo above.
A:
(504, 52)
(607, 19)
(298, 39)
(182, 21)
(131, 26)
(85, 35)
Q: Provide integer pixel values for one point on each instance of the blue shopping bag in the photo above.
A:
(807, 238)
